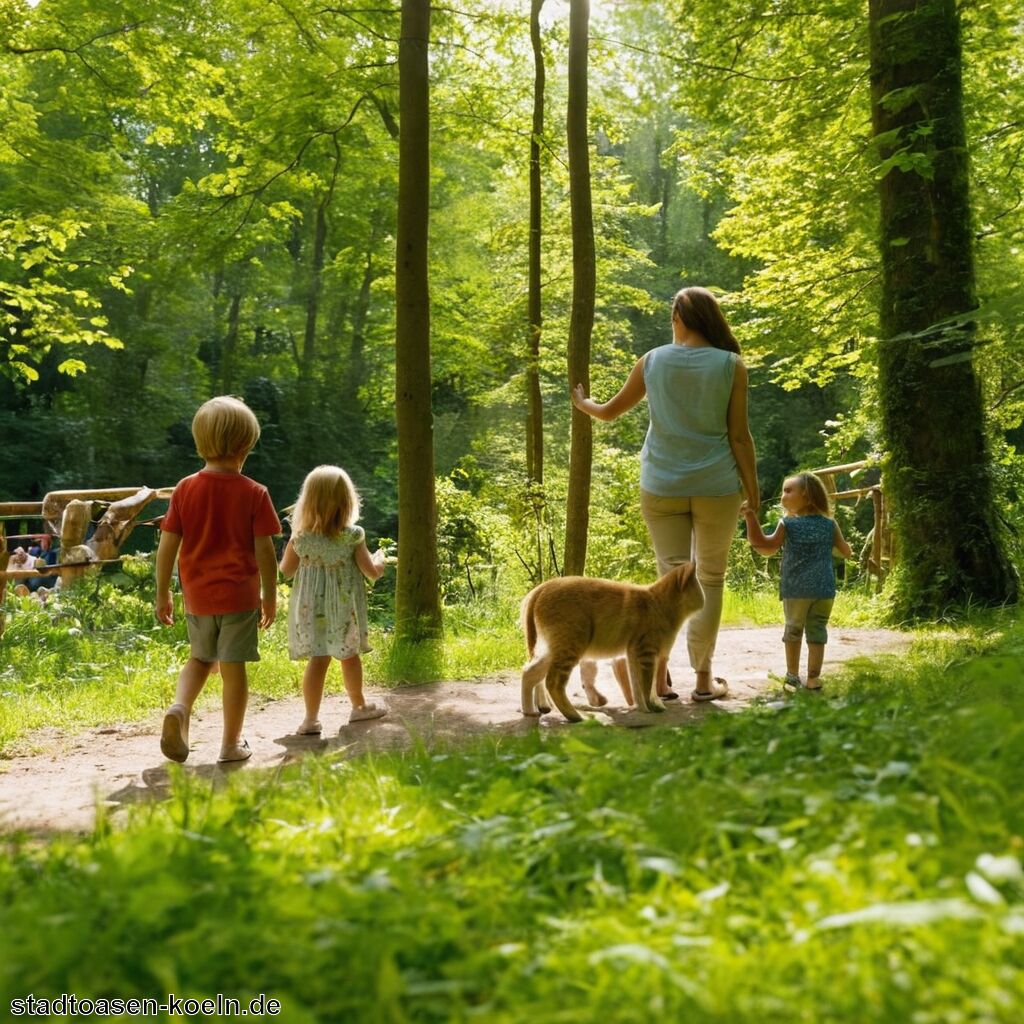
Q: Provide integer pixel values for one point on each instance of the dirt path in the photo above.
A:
(59, 788)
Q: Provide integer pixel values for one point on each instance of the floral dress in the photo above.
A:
(327, 611)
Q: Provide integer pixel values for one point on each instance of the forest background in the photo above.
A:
(200, 198)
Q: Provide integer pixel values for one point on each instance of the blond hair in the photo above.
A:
(814, 492)
(328, 502)
(224, 427)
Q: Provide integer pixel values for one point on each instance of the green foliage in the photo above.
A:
(39, 305)
(164, 166)
(878, 829)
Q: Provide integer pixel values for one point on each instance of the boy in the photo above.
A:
(223, 523)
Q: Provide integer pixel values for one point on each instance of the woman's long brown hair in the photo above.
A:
(698, 309)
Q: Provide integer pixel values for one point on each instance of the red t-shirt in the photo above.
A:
(219, 516)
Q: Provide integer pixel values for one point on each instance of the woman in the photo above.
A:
(697, 463)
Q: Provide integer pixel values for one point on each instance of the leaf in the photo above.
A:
(903, 915)
(28, 372)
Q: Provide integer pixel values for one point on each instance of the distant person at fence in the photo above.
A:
(220, 525)
(20, 561)
(328, 557)
(807, 533)
(43, 553)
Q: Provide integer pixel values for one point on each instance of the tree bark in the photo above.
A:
(581, 320)
(535, 418)
(417, 601)
(316, 270)
(938, 471)
(230, 347)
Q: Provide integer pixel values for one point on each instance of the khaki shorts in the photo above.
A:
(230, 637)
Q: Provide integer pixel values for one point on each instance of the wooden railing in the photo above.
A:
(880, 552)
(67, 516)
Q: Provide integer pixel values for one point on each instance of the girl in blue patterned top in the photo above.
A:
(807, 535)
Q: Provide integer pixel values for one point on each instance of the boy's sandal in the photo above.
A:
(174, 734)
(814, 689)
(793, 682)
(240, 752)
(309, 729)
(719, 689)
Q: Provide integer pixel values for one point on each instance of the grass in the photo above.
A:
(751, 606)
(99, 658)
(853, 858)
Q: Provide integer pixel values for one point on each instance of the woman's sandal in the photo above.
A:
(669, 694)
(719, 689)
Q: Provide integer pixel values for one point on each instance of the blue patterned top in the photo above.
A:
(807, 569)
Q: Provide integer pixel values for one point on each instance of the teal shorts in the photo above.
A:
(806, 616)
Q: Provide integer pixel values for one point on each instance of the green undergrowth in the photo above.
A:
(854, 857)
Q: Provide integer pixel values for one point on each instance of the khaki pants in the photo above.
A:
(700, 530)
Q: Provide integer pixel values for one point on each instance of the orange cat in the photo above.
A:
(571, 618)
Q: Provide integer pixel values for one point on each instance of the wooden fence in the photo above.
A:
(880, 552)
(66, 518)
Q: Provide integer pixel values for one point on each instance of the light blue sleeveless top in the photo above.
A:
(686, 453)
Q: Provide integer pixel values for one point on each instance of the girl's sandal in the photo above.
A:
(241, 751)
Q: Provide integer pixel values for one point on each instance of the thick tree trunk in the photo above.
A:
(535, 418)
(938, 470)
(583, 289)
(417, 601)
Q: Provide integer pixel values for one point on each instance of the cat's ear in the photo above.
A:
(685, 574)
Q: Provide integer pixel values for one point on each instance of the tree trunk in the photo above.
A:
(938, 470)
(355, 367)
(316, 271)
(313, 296)
(583, 288)
(535, 419)
(417, 602)
(230, 347)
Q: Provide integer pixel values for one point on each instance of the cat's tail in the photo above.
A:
(527, 622)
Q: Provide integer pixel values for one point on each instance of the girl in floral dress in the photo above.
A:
(328, 557)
